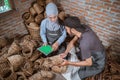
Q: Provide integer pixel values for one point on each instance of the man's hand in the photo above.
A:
(63, 55)
(65, 62)
(55, 46)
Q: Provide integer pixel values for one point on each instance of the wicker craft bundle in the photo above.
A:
(39, 18)
(27, 47)
(4, 68)
(48, 1)
(39, 9)
(3, 42)
(41, 2)
(42, 75)
(34, 31)
(32, 11)
(56, 60)
(62, 15)
(27, 17)
(12, 76)
(38, 63)
(16, 61)
(36, 54)
(14, 48)
(36, 76)
(59, 69)
(28, 68)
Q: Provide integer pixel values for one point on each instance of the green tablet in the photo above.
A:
(45, 49)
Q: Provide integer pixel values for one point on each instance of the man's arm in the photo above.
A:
(86, 62)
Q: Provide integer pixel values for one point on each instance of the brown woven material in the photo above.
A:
(62, 15)
(59, 69)
(36, 54)
(56, 60)
(16, 61)
(41, 2)
(27, 47)
(46, 74)
(48, 1)
(3, 42)
(11, 76)
(27, 17)
(34, 31)
(14, 48)
(39, 18)
(28, 68)
(39, 9)
(4, 68)
(36, 76)
(32, 11)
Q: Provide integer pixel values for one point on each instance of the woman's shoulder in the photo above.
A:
(44, 21)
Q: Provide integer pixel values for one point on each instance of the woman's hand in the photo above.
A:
(44, 44)
(65, 62)
(55, 46)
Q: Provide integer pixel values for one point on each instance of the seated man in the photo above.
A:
(91, 54)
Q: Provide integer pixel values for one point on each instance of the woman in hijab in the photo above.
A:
(91, 51)
(52, 30)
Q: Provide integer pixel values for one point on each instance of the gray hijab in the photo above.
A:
(51, 9)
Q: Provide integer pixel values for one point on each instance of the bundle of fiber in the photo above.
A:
(12, 76)
(56, 60)
(16, 61)
(46, 74)
(59, 69)
(36, 54)
(27, 17)
(36, 76)
(34, 31)
(3, 42)
(48, 1)
(41, 2)
(39, 18)
(14, 48)
(32, 11)
(28, 68)
(62, 15)
(39, 9)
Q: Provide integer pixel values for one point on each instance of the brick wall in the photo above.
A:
(11, 22)
(103, 16)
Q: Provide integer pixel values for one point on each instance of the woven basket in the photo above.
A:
(34, 31)
(35, 56)
(48, 1)
(59, 69)
(27, 68)
(36, 76)
(46, 74)
(39, 9)
(14, 48)
(39, 18)
(56, 60)
(62, 15)
(3, 42)
(32, 11)
(12, 76)
(16, 61)
(27, 52)
(27, 17)
(41, 2)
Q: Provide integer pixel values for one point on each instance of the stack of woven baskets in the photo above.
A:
(36, 14)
